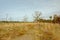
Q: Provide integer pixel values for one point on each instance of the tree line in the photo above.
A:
(37, 18)
(52, 19)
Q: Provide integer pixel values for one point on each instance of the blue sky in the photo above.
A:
(17, 9)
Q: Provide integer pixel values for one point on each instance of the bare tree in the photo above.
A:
(54, 18)
(36, 16)
(25, 19)
(10, 19)
(6, 17)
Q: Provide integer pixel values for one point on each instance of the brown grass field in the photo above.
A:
(29, 31)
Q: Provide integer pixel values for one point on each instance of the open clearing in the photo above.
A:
(29, 31)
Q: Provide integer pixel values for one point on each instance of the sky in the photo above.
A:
(17, 9)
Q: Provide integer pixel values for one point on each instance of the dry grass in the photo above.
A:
(41, 31)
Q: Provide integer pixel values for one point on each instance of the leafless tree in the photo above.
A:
(25, 19)
(6, 17)
(36, 16)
